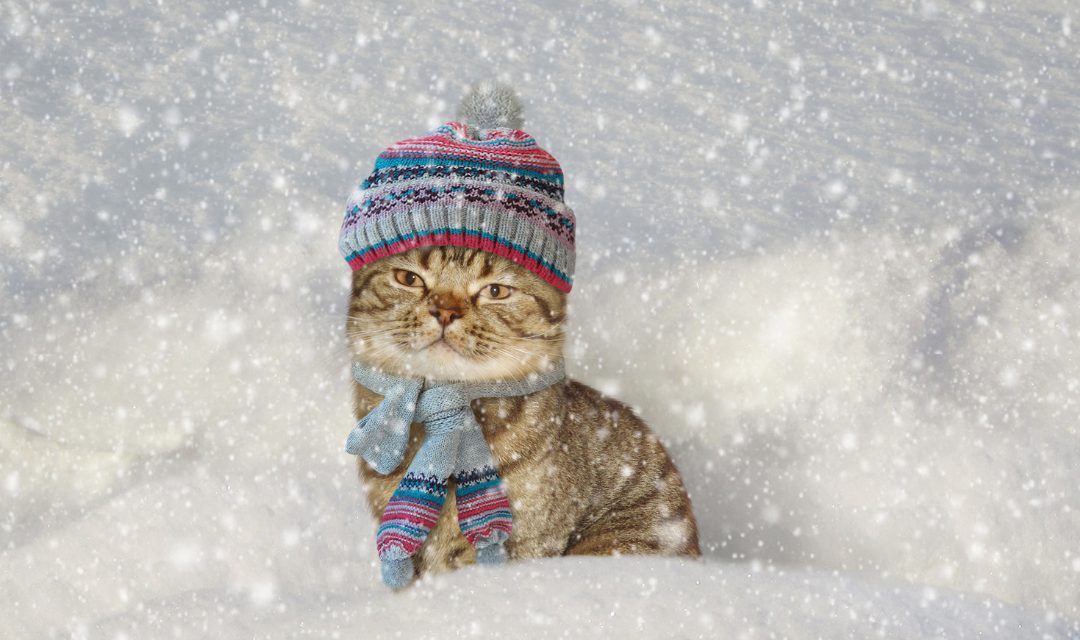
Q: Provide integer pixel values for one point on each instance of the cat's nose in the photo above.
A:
(445, 309)
(444, 316)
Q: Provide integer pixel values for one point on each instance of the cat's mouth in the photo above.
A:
(439, 344)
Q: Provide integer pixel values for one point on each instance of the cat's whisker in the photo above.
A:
(553, 335)
(382, 331)
(502, 338)
(512, 352)
(388, 324)
(540, 338)
(377, 343)
(375, 335)
(380, 348)
(527, 349)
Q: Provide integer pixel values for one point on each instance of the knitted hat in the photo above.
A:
(478, 182)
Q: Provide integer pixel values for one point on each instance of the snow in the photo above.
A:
(840, 239)
(572, 598)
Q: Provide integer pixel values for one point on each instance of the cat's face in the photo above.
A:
(451, 313)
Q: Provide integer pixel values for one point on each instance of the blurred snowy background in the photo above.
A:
(828, 248)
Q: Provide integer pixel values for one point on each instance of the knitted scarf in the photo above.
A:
(454, 446)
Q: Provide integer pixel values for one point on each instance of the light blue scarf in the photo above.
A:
(454, 446)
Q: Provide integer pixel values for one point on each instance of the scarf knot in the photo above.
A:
(453, 447)
(442, 409)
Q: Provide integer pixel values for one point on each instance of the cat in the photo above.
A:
(584, 474)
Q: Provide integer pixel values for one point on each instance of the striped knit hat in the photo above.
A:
(478, 182)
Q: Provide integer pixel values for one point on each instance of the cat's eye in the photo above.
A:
(408, 278)
(497, 291)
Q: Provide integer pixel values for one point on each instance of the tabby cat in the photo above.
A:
(584, 474)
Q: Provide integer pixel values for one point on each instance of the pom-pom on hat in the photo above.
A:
(478, 182)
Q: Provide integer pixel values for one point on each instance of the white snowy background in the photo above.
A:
(829, 249)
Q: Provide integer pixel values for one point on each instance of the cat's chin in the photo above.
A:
(441, 362)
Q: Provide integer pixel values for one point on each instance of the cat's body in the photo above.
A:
(584, 474)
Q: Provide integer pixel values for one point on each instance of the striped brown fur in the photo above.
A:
(584, 473)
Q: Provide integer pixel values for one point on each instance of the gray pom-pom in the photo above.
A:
(491, 105)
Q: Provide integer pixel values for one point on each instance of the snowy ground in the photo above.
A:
(844, 237)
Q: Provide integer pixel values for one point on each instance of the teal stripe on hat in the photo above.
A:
(382, 162)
